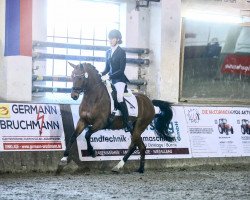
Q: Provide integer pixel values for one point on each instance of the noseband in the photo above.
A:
(79, 90)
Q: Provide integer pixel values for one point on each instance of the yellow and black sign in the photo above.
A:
(4, 111)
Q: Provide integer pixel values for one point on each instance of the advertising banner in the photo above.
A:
(31, 127)
(218, 131)
(236, 64)
(113, 144)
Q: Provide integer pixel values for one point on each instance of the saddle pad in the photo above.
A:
(131, 103)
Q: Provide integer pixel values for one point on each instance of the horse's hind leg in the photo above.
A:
(142, 149)
(136, 141)
(140, 127)
(132, 148)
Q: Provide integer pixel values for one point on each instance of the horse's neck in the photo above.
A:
(98, 94)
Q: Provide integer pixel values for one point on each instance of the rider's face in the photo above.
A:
(113, 41)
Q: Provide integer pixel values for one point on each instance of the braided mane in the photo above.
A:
(91, 67)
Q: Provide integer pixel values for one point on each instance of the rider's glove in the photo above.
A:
(105, 77)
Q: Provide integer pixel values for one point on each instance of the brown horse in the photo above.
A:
(95, 110)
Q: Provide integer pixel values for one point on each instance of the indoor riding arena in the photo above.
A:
(168, 119)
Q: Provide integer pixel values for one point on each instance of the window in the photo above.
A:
(216, 61)
(78, 22)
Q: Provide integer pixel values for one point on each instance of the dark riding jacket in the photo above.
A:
(115, 65)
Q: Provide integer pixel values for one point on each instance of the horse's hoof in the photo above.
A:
(59, 169)
(92, 153)
(115, 169)
(118, 166)
(141, 171)
(64, 161)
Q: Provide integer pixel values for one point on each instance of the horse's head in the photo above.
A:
(84, 77)
(80, 78)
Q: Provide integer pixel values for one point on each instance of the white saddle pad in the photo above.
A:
(131, 103)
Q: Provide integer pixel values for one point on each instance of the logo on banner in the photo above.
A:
(224, 126)
(193, 115)
(4, 111)
(174, 128)
(40, 117)
(244, 126)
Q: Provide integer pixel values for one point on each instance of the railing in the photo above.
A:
(38, 56)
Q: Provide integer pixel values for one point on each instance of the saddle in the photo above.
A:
(129, 99)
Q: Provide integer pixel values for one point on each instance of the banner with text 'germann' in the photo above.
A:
(31, 127)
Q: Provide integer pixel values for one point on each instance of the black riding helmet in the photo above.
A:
(115, 34)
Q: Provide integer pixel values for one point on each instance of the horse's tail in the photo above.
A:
(162, 119)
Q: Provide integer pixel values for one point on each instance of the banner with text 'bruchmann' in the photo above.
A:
(31, 127)
(113, 144)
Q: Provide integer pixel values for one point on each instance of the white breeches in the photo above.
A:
(120, 86)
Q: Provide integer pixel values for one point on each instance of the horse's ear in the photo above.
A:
(72, 65)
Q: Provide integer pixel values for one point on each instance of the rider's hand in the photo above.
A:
(105, 77)
(100, 73)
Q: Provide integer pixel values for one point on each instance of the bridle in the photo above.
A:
(79, 90)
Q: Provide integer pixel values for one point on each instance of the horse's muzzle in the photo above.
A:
(74, 95)
(75, 92)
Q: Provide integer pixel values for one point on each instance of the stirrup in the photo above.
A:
(129, 127)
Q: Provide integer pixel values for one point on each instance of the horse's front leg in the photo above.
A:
(79, 128)
(97, 125)
(90, 149)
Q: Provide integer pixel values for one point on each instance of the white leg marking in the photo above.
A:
(64, 161)
(118, 166)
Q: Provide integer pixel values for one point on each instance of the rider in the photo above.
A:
(115, 66)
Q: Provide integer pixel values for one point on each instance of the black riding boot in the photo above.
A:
(124, 110)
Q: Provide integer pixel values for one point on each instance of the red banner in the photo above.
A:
(236, 64)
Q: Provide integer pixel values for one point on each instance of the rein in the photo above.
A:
(85, 76)
(79, 90)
